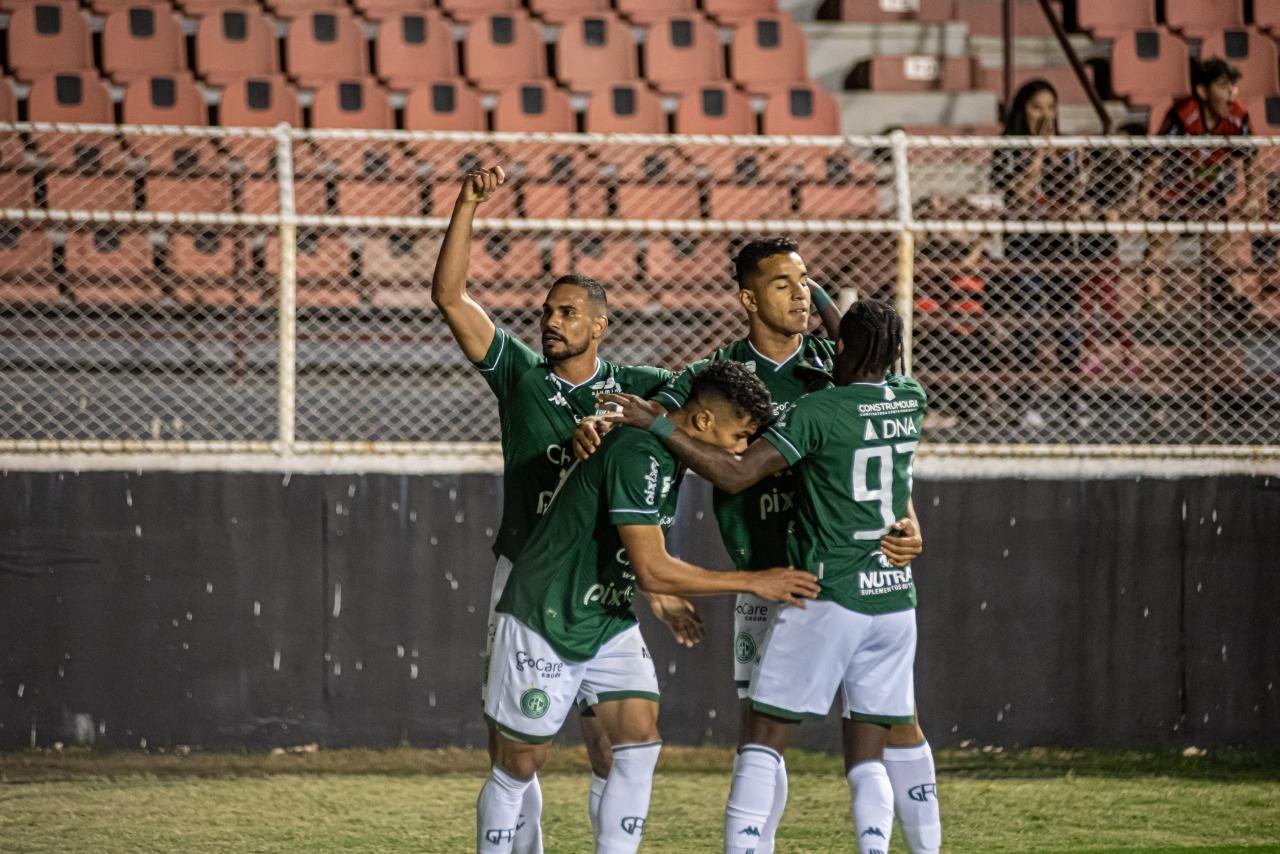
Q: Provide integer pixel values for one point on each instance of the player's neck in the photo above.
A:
(576, 370)
(682, 420)
(772, 344)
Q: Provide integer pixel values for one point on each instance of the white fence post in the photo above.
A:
(288, 284)
(905, 291)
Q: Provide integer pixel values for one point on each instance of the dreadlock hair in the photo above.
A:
(872, 336)
(737, 386)
(595, 291)
(750, 256)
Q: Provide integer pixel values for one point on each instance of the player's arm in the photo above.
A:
(679, 615)
(469, 323)
(904, 544)
(828, 313)
(658, 572)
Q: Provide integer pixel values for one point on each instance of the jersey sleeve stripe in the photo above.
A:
(502, 345)
(795, 454)
(629, 510)
(668, 396)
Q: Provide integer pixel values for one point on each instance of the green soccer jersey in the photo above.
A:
(754, 523)
(538, 412)
(573, 583)
(852, 447)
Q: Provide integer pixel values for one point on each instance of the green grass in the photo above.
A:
(413, 800)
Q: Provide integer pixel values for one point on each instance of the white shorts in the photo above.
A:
(501, 572)
(531, 689)
(751, 618)
(815, 651)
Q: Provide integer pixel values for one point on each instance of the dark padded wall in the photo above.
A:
(262, 609)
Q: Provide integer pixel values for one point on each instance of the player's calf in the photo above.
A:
(632, 727)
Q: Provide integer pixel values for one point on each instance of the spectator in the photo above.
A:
(1198, 184)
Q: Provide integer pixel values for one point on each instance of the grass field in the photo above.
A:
(423, 801)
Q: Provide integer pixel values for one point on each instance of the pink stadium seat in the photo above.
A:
(235, 43)
(377, 10)
(142, 40)
(202, 254)
(111, 265)
(188, 195)
(1252, 52)
(644, 201)
(294, 8)
(607, 258)
(504, 48)
(1149, 66)
(257, 102)
(12, 149)
(262, 196)
(168, 100)
(625, 108)
(8, 102)
(714, 108)
(595, 48)
(325, 46)
(892, 11)
(446, 105)
(1111, 17)
(916, 74)
(562, 11)
(48, 37)
(80, 192)
(1196, 17)
(839, 201)
(802, 108)
(984, 17)
(472, 10)
(733, 12)
(397, 256)
(414, 47)
(324, 269)
(767, 50)
(647, 12)
(1264, 114)
(533, 107)
(26, 260)
(357, 103)
(681, 51)
(199, 8)
(69, 97)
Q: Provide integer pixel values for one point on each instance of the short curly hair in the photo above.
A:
(733, 383)
(748, 260)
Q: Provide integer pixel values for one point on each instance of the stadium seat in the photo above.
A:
(761, 201)
(688, 260)
(1150, 66)
(1252, 52)
(1198, 18)
(8, 102)
(768, 50)
(915, 74)
(823, 200)
(324, 269)
(48, 37)
(714, 108)
(359, 105)
(378, 10)
(414, 47)
(473, 10)
(595, 48)
(188, 195)
(802, 108)
(259, 196)
(509, 260)
(1107, 18)
(682, 51)
(199, 8)
(1266, 15)
(624, 108)
(734, 12)
(560, 12)
(257, 102)
(325, 46)
(648, 201)
(648, 12)
(204, 254)
(380, 198)
(111, 266)
(295, 8)
(72, 96)
(533, 107)
(984, 17)
(447, 105)
(143, 40)
(235, 43)
(504, 48)
(1264, 114)
(26, 260)
(606, 258)
(168, 100)
(398, 256)
(16, 191)
(12, 150)
(66, 191)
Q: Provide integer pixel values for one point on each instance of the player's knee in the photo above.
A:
(599, 755)
(519, 759)
(905, 735)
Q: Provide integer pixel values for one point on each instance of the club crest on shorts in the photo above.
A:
(534, 703)
(744, 647)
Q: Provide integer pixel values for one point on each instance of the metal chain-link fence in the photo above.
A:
(1066, 292)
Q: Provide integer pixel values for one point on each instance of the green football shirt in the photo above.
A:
(573, 583)
(852, 447)
(538, 412)
(754, 523)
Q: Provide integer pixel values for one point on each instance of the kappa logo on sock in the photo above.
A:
(750, 831)
(877, 851)
(923, 792)
(633, 824)
(873, 831)
(494, 835)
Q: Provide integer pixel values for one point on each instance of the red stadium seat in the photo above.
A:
(69, 97)
(646, 201)
(472, 10)
(378, 10)
(762, 201)
(595, 48)
(1266, 15)
(1250, 51)
(840, 201)
(263, 101)
(984, 17)
(511, 261)
(802, 108)
(295, 8)
(48, 37)
(235, 43)
(325, 46)
(12, 150)
(188, 195)
(648, 12)
(415, 47)
(445, 105)
(324, 269)
(733, 12)
(16, 191)
(688, 260)
(606, 258)
(310, 196)
(205, 254)
(714, 108)
(111, 266)
(682, 51)
(26, 262)
(1149, 66)
(8, 102)
(357, 103)
(199, 8)
(380, 198)
(504, 48)
(1264, 114)
(168, 100)
(398, 257)
(625, 108)
(141, 41)
(916, 74)
(1112, 17)
(1196, 17)
(533, 107)
(563, 11)
(768, 50)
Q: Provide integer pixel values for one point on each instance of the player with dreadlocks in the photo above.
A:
(859, 638)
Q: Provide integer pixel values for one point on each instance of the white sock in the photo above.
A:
(751, 798)
(529, 827)
(498, 811)
(624, 803)
(872, 806)
(769, 833)
(593, 804)
(915, 796)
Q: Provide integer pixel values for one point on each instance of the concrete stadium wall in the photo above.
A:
(229, 610)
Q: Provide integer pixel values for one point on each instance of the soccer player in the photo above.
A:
(540, 400)
(852, 446)
(777, 293)
(566, 632)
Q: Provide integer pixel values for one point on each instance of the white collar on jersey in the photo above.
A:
(777, 366)
(561, 381)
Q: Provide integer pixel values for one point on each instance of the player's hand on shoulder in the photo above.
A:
(479, 184)
(680, 616)
(630, 409)
(903, 543)
(587, 435)
(788, 585)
